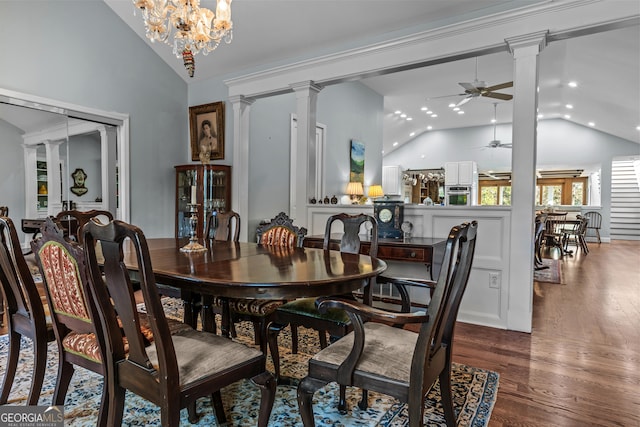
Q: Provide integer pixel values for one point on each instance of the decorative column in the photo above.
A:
(54, 177)
(306, 101)
(108, 160)
(525, 50)
(240, 171)
(30, 182)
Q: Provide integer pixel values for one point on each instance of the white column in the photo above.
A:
(30, 181)
(54, 199)
(108, 159)
(525, 50)
(306, 100)
(240, 170)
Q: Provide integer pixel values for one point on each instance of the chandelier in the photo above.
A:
(194, 28)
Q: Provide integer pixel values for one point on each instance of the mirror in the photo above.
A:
(46, 146)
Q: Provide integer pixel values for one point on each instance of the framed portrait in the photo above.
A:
(206, 125)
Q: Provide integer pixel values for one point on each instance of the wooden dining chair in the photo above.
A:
(64, 273)
(575, 235)
(224, 226)
(303, 312)
(74, 220)
(4, 211)
(393, 361)
(595, 222)
(27, 313)
(175, 370)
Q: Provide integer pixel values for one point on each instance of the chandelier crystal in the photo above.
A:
(195, 29)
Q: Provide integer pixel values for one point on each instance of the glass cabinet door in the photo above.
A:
(186, 188)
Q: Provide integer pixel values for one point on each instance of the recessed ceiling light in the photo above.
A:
(424, 109)
(567, 116)
(409, 118)
(382, 151)
(431, 127)
(434, 115)
(422, 156)
(398, 112)
(637, 127)
(573, 84)
(493, 120)
(395, 143)
(452, 105)
(540, 116)
(592, 124)
(456, 109)
(429, 112)
(403, 115)
(412, 133)
(569, 106)
(460, 112)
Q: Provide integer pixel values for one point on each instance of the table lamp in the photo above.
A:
(355, 190)
(375, 191)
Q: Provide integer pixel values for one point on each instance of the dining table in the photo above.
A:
(250, 270)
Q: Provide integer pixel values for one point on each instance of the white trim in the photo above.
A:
(108, 117)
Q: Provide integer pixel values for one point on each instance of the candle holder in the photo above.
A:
(193, 245)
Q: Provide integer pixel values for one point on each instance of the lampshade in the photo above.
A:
(376, 191)
(355, 189)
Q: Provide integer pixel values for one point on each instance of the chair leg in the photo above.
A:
(306, 389)
(598, 234)
(192, 413)
(364, 402)
(446, 396)
(103, 413)
(294, 338)
(267, 384)
(116, 406)
(12, 364)
(273, 332)
(218, 407)
(322, 335)
(65, 373)
(39, 366)
(342, 402)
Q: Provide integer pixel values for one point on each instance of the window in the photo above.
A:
(495, 192)
(561, 191)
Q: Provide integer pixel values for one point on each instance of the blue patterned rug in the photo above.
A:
(475, 392)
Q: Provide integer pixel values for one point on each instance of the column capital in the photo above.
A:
(241, 99)
(537, 39)
(305, 87)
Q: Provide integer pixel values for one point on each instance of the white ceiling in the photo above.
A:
(271, 32)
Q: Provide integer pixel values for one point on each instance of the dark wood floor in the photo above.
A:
(581, 364)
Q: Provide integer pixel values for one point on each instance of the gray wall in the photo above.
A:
(561, 144)
(84, 153)
(80, 52)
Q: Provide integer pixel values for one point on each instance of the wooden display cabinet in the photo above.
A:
(209, 185)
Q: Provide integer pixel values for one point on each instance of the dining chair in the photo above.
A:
(223, 226)
(595, 222)
(4, 211)
(27, 313)
(538, 239)
(394, 361)
(174, 370)
(576, 235)
(303, 312)
(64, 273)
(73, 220)
(278, 234)
(554, 232)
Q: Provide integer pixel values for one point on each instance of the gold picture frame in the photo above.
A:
(207, 144)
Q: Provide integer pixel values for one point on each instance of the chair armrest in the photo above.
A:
(363, 311)
(421, 283)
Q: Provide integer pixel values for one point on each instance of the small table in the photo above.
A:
(425, 250)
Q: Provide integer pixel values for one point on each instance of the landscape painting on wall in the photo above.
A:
(356, 168)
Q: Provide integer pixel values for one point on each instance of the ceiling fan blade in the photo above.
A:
(464, 101)
(447, 96)
(469, 87)
(498, 87)
(497, 95)
(506, 145)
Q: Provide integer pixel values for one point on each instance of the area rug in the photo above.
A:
(552, 274)
(475, 392)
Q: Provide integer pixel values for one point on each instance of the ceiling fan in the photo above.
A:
(495, 143)
(478, 88)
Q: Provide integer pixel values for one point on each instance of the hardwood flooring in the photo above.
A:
(581, 364)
